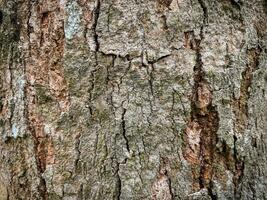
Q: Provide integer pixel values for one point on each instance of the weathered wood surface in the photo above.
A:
(133, 99)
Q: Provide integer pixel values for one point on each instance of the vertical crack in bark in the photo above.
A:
(118, 187)
(241, 111)
(80, 192)
(29, 27)
(91, 91)
(206, 116)
(78, 151)
(201, 131)
(241, 104)
(96, 16)
(123, 132)
(1, 17)
(151, 79)
(205, 12)
(123, 129)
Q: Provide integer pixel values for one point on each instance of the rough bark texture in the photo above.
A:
(133, 99)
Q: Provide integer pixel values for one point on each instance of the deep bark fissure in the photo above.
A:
(151, 79)
(29, 27)
(204, 115)
(207, 118)
(205, 12)
(78, 151)
(123, 129)
(1, 17)
(241, 112)
(123, 132)
(241, 104)
(95, 20)
(119, 182)
(237, 4)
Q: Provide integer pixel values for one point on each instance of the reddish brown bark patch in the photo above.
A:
(241, 104)
(189, 41)
(203, 125)
(161, 188)
(165, 3)
(192, 140)
(46, 88)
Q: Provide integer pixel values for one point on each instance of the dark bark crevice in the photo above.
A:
(1, 17)
(204, 121)
(241, 103)
(240, 108)
(94, 26)
(205, 12)
(78, 152)
(123, 129)
(118, 183)
(205, 114)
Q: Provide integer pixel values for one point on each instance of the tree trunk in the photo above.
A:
(124, 99)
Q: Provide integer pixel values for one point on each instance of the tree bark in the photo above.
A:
(124, 99)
